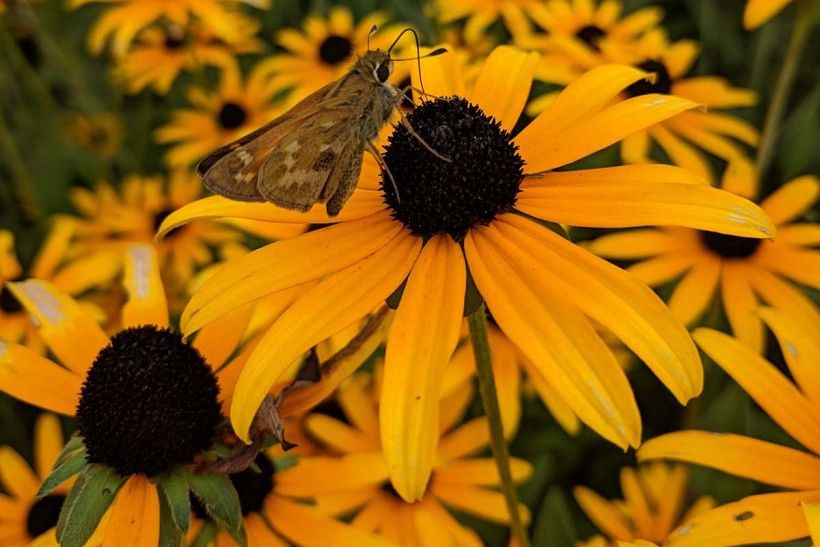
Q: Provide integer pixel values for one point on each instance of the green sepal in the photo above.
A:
(70, 462)
(89, 499)
(174, 488)
(170, 534)
(219, 498)
(285, 462)
(206, 535)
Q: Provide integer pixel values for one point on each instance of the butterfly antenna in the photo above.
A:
(373, 30)
(418, 52)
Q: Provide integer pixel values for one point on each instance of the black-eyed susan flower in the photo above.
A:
(793, 403)
(123, 19)
(352, 474)
(479, 15)
(655, 503)
(114, 219)
(324, 49)
(160, 53)
(237, 106)
(635, 41)
(743, 271)
(100, 134)
(27, 520)
(481, 212)
(758, 12)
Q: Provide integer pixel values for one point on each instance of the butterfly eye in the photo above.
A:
(383, 71)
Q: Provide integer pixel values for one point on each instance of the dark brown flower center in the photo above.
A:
(43, 515)
(232, 115)
(590, 35)
(728, 246)
(335, 49)
(8, 302)
(662, 84)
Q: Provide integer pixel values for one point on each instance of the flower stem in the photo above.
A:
(489, 398)
(803, 23)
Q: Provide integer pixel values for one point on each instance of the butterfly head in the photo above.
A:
(376, 64)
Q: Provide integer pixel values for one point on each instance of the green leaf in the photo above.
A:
(206, 535)
(285, 462)
(69, 463)
(170, 534)
(92, 494)
(175, 491)
(219, 498)
(554, 527)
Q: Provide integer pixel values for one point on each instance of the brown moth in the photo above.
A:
(313, 152)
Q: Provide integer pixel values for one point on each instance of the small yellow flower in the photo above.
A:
(759, 11)
(794, 404)
(325, 48)
(160, 53)
(353, 474)
(124, 19)
(478, 212)
(742, 271)
(27, 520)
(98, 133)
(654, 499)
(234, 108)
(480, 14)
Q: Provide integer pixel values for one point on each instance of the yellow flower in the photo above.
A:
(27, 520)
(634, 40)
(123, 19)
(654, 498)
(160, 53)
(794, 404)
(485, 202)
(743, 271)
(98, 133)
(480, 14)
(91, 383)
(324, 50)
(112, 220)
(353, 474)
(759, 11)
(218, 117)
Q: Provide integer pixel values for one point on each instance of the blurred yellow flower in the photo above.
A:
(759, 11)
(793, 402)
(237, 106)
(160, 53)
(100, 134)
(324, 49)
(353, 475)
(743, 271)
(653, 505)
(480, 14)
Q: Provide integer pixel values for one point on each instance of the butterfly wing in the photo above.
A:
(232, 170)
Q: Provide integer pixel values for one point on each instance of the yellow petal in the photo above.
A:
(333, 304)
(316, 476)
(481, 472)
(61, 323)
(48, 443)
(714, 92)
(635, 501)
(134, 520)
(362, 203)
(485, 504)
(738, 455)
(765, 384)
(418, 348)
(285, 264)
(759, 11)
(547, 327)
(766, 518)
(442, 75)
(792, 199)
(603, 514)
(778, 293)
(618, 302)
(218, 340)
(86, 272)
(599, 130)
(303, 526)
(681, 153)
(663, 268)
(38, 381)
(503, 85)
(800, 342)
(146, 303)
(578, 101)
(695, 291)
(17, 477)
(812, 513)
(740, 304)
(633, 244)
(593, 200)
(339, 436)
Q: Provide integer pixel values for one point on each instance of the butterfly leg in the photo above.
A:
(383, 166)
(407, 125)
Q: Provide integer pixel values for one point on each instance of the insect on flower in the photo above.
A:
(313, 152)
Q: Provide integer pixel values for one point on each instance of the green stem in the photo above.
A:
(771, 128)
(489, 398)
(22, 187)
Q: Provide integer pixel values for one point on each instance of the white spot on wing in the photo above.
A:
(245, 156)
